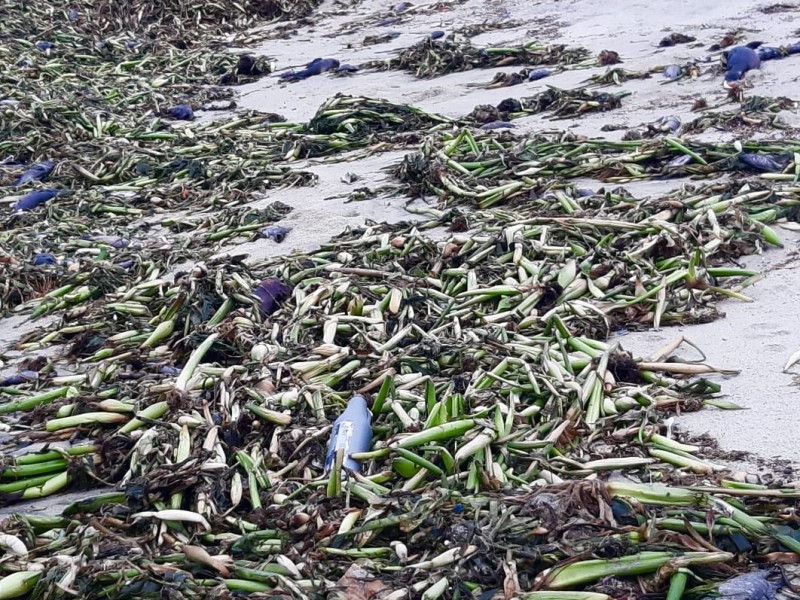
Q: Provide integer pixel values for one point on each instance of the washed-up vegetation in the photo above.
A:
(433, 58)
(518, 450)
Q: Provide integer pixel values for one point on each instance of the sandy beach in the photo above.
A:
(756, 438)
(755, 338)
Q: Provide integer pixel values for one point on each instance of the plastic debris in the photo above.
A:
(352, 432)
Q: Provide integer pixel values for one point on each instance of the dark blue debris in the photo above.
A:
(72, 15)
(436, 34)
(45, 46)
(741, 542)
(25, 63)
(764, 162)
(352, 433)
(739, 61)
(623, 513)
(19, 378)
(37, 172)
(272, 293)
(168, 370)
(128, 264)
(748, 586)
(181, 112)
(388, 21)
(584, 192)
(769, 53)
(33, 199)
(673, 71)
(402, 7)
(45, 258)
(793, 48)
(315, 67)
(498, 125)
(277, 233)
(131, 44)
(538, 74)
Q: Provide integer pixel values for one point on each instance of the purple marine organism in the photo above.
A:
(352, 433)
(19, 378)
(737, 62)
(538, 74)
(37, 172)
(742, 59)
(673, 72)
(271, 293)
(497, 125)
(749, 586)
(276, 233)
(769, 163)
(44, 258)
(181, 112)
(315, 67)
(34, 199)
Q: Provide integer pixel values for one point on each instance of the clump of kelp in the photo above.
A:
(756, 113)
(487, 170)
(517, 449)
(499, 405)
(167, 20)
(561, 104)
(435, 57)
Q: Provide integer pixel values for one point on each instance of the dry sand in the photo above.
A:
(756, 338)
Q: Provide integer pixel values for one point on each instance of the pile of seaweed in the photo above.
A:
(516, 449)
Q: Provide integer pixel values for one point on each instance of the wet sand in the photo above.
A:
(757, 338)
